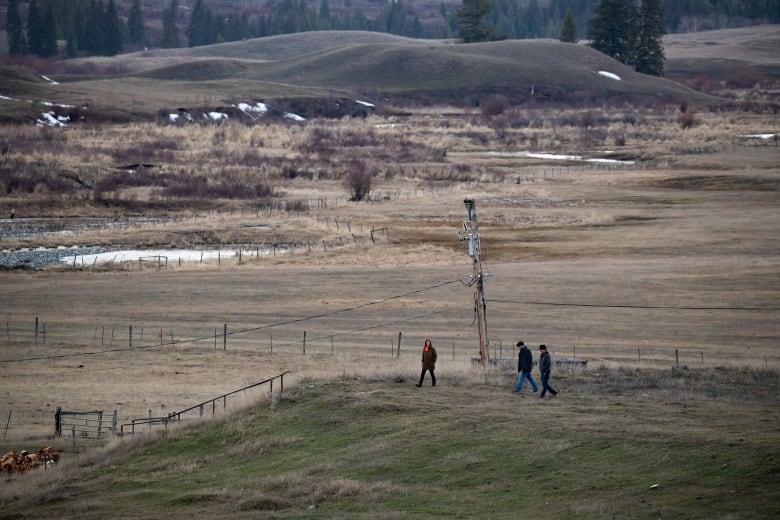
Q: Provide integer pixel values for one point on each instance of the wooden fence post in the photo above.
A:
(224, 337)
(399, 344)
(304, 342)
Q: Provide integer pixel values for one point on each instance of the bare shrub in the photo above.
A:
(747, 78)
(358, 180)
(495, 105)
(590, 137)
(686, 117)
(297, 206)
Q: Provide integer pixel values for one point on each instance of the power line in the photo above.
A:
(625, 306)
(236, 332)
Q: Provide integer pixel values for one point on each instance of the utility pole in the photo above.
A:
(472, 232)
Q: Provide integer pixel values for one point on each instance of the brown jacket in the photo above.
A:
(429, 358)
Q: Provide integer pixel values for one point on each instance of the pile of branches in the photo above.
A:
(25, 461)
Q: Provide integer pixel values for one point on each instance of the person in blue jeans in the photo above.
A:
(525, 363)
(545, 366)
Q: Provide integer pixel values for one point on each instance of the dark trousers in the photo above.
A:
(422, 376)
(546, 385)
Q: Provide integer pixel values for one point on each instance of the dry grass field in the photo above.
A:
(675, 262)
(640, 237)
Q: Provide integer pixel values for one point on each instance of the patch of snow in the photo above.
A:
(609, 75)
(558, 157)
(49, 80)
(215, 116)
(6, 97)
(58, 105)
(609, 161)
(257, 108)
(49, 119)
(760, 136)
(173, 117)
(294, 117)
(172, 255)
(365, 103)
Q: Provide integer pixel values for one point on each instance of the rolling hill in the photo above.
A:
(335, 64)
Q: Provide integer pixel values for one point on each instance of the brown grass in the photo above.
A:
(625, 267)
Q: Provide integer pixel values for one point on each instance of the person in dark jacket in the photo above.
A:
(545, 365)
(428, 362)
(525, 363)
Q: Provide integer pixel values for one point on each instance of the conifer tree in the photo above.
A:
(91, 40)
(17, 41)
(112, 31)
(48, 35)
(34, 28)
(470, 24)
(135, 24)
(611, 30)
(569, 29)
(198, 30)
(170, 35)
(648, 55)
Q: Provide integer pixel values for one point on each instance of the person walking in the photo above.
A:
(545, 366)
(525, 363)
(428, 362)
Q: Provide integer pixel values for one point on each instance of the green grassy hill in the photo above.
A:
(341, 64)
(614, 444)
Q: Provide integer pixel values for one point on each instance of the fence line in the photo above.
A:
(290, 338)
(89, 425)
(177, 416)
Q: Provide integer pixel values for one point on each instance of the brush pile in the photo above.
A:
(25, 461)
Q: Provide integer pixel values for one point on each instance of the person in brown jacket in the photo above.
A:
(428, 362)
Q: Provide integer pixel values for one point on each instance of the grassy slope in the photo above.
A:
(724, 52)
(359, 448)
(339, 63)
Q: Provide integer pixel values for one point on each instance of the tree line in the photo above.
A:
(96, 27)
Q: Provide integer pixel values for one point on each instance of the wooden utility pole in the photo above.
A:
(477, 280)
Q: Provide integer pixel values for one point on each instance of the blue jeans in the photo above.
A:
(546, 385)
(523, 376)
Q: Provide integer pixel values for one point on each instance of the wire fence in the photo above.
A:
(41, 341)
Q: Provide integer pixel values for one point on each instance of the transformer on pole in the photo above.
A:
(471, 229)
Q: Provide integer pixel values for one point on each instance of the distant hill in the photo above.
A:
(348, 64)
(727, 54)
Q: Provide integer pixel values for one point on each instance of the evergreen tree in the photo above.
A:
(197, 31)
(112, 31)
(170, 35)
(48, 45)
(34, 28)
(611, 30)
(324, 17)
(470, 24)
(135, 24)
(17, 41)
(648, 50)
(91, 40)
(569, 29)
